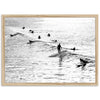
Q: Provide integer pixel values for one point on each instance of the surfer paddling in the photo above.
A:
(59, 48)
(83, 63)
(73, 49)
(11, 35)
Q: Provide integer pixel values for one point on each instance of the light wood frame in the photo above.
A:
(50, 84)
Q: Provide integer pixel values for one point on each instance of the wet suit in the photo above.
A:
(39, 37)
(23, 27)
(59, 48)
(48, 35)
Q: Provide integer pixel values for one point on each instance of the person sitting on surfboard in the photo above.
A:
(48, 35)
(39, 37)
(23, 27)
(59, 48)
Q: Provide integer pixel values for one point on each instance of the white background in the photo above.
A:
(49, 92)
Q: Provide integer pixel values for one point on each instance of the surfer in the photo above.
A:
(54, 40)
(83, 63)
(11, 35)
(73, 49)
(23, 27)
(48, 35)
(59, 48)
(31, 31)
(30, 42)
(39, 37)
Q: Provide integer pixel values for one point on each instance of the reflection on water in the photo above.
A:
(60, 61)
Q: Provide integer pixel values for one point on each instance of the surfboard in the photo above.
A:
(75, 55)
(61, 54)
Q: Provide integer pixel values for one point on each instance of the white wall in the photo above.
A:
(49, 92)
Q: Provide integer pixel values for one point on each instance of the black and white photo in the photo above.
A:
(50, 49)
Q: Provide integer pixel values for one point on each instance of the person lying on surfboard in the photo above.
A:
(59, 48)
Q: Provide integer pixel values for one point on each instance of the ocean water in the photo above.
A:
(34, 62)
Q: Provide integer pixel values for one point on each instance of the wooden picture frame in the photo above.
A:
(49, 83)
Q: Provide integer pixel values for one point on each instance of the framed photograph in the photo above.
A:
(49, 50)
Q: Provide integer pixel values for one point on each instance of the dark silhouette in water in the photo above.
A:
(23, 27)
(31, 31)
(30, 42)
(11, 35)
(73, 49)
(59, 48)
(48, 35)
(82, 63)
(54, 40)
(39, 37)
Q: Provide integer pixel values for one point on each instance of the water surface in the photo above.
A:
(32, 63)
